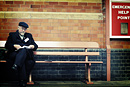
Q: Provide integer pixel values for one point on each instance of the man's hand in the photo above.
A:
(31, 46)
(17, 46)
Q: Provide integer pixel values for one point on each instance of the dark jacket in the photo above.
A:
(14, 38)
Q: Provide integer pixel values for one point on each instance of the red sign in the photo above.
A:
(120, 19)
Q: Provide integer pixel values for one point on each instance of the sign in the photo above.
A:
(120, 20)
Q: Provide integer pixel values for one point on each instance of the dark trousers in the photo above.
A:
(22, 60)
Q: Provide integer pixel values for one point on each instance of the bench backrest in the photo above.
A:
(66, 44)
(62, 44)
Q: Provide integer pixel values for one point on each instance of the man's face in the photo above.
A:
(21, 30)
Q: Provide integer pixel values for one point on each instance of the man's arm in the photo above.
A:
(9, 43)
(33, 45)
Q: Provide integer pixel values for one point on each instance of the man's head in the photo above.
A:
(22, 27)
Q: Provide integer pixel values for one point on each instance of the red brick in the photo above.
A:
(92, 4)
(94, 35)
(1, 9)
(9, 27)
(68, 7)
(9, 2)
(15, 20)
(125, 46)
(51, 10)
(96, 11)
(58, 6)
(100, 21)
(48, 6)
(38, 3)
(35, 6)
(35, 35)
(1, 2)
(82, 4)
(77, 7)
(25, 6)
(85, 24)
(53, 3)
(99, 4)
(83, 10)
(89, 11)
(14, 5)
(29, 2)
(72, 3)
(40, 10)
(18, 2)
(122, 43)
(100, 28)
(20, 9)
(4, 31)
(4, 6)
(15, 9)
(87, 7)
(43, 6)
(117, 46)
(1, 38)
(45, 31)
(4, 20)
(96, 7)
(63, 3)
(46, 3)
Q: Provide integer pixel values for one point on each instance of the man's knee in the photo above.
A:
(24, 51)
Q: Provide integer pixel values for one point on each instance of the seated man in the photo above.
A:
(20, 57)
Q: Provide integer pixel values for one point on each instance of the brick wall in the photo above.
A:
(41, 6)
(120, 64)
(120, 44)
(69, 27)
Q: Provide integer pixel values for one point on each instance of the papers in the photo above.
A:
(27, 47)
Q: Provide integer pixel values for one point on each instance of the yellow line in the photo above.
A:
(50, 15)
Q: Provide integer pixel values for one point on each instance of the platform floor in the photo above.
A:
(70, 84)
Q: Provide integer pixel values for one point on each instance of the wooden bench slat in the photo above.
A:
(3, 61)
(67, 44)
(69, 62)
(62, 44)
(63, 61)
(66, 53)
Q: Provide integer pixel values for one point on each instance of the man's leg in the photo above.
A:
(20, 57)
(11, 74)
(22, 76)
(25, 70)
(29, 66)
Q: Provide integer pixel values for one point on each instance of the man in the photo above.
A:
(20, 46)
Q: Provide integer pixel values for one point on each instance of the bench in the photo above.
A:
(68, 45)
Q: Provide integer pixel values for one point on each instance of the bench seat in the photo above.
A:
(63, 61)
(69, 62)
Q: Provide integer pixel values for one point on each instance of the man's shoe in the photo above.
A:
(15, 67)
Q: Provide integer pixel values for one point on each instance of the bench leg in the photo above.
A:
(30, 80)
(87, 66)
